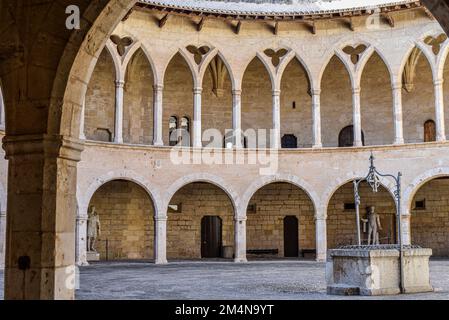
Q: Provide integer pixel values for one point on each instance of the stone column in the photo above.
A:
(81, 239)
(119, 89)
(439, 111)
(2, 111)
(83, 113)
(158, 115)
(276, 136)
(321, 238)
(357, 118)
(2, 237)
(397, 113)
(160, 240)
(197, 132)
(316, 114)
(240, 239)
(237, 117)
(40, 245)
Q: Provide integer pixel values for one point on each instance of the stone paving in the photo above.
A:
(191, 280)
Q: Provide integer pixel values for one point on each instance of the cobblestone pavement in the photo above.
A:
(283, 280)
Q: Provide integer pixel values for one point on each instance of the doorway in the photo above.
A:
(291, 248)
(211, 241)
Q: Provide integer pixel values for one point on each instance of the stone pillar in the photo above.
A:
(197, 132)
(160, 240)
(316, 114)
(357, 118)
(240, 239)
(397, 113)
(81, 239)
(40, 244)
(119, 89)
(321, 238)
(83, 113)
(2, 237)
(276, 136)
(237, 117)
(439, 111)
(158, 115)
(406, 232)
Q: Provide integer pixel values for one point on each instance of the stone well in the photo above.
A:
(375, 270)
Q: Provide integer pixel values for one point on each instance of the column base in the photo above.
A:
(401, 141)
(321, 258)
(158, 144)
(161, 262)
(82, 263)
(441, 139)
(317, 146)
(240, 260)
(358, 144)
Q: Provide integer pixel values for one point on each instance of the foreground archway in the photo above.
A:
(200, 223)
(430, 216)
(280, 221)
(127, 221)
(341, 217)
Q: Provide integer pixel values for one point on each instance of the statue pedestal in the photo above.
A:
(375, 270)
(93, 256)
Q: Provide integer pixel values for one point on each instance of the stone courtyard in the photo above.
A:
(206, 280)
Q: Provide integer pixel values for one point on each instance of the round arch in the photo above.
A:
(128, 175)
(332, 189)
(201, 177)
(266, 180)
(419, 181)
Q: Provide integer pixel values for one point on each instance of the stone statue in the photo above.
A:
(93, 229)
(374, 226)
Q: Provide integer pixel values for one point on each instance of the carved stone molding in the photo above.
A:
(218, 73)
(408, 76)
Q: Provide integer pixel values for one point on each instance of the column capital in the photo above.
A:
(276, 92)
(119, 83)
(43, 144)
(82, 218)
(160, 218)
(320, 218)
(197, 90)
(158, 87)
(438, 82)
(237, 92)
(315, 92)
(242, 219)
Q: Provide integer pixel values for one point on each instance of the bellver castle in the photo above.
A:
(216, 129)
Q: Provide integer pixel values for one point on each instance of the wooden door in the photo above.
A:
(211, 237)
(291, 247)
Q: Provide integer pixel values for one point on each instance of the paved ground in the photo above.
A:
(283, 280)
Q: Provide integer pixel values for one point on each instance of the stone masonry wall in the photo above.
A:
(430, 226)
(100, 99)
(126, 215)
(184, 228)
(265, 227)
(138, 101)
(341, 226)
